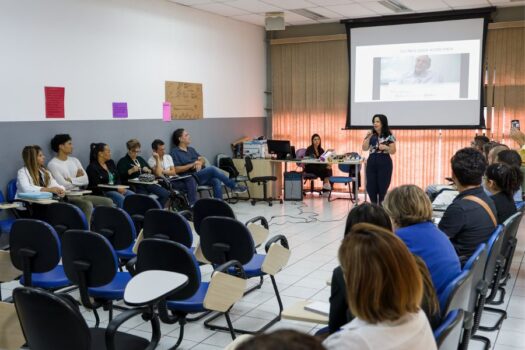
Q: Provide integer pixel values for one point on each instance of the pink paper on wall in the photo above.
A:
(166, 111)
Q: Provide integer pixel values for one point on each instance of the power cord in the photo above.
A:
(303, 217)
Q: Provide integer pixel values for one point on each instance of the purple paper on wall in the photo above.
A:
(120, 109)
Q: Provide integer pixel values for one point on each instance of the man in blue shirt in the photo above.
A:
(188, 161)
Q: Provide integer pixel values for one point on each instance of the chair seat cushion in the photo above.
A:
(193, 304)
(122, 340)
(264, 178)
(53, 279)
(253, 267)
(5, 225)
(341, 179)
(113, 290)
(127, 253)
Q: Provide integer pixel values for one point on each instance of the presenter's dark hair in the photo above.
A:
(507, 178)
(313, 137)
(58, 140)
(176, 135)
(94, 150)
(156, 143)
(385, 129)
(468, 165)
(368, 213)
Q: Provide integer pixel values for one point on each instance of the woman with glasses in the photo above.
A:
(131, 166)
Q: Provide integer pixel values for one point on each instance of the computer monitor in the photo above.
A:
(281, 148)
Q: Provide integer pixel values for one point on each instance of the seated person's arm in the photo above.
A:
(170, 172)
(186, 167)
(452, 221)
(338, 315)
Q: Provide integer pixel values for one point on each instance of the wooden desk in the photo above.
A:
(297, 312)
(262, 167)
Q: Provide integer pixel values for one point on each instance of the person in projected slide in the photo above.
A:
(421, 73)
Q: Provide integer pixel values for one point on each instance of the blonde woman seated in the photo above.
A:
(411, 213)
(34, 177)
(385, 290)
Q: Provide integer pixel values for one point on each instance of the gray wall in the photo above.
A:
(209, 136)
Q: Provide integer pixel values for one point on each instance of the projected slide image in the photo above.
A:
(425, 71)
(421, 77)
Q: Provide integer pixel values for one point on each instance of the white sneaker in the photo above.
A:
(327, 187)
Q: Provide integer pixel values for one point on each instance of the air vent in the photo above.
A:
(309, 14)
(395, 6)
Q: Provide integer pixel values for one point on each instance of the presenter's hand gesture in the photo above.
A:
(383, 147)
(368, 134)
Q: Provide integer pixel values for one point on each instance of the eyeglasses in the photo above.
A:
(136, 151)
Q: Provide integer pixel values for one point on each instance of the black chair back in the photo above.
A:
(34, 247)
(509, 241)
(64, 216)
(136, 205)
(114, 224)
(249, 165)
(50, 322)
(160, 254)
(448, 334)
(224, 239)
(167, 225)
(88, 255)
(210, 207)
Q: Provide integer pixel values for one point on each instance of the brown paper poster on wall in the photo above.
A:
(185, 98)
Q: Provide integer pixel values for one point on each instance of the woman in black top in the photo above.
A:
(103, 171)
(320, 170)
(503, 181)
(381, 144)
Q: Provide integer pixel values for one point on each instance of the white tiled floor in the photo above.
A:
(314, 247)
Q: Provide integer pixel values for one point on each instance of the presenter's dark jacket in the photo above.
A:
(505, 206)
(125, 163)
(467, 224)
(311, 153)
(97, 175)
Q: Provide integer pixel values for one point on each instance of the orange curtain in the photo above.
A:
(309, 95)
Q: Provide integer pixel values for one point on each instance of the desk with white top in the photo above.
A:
(153, 285)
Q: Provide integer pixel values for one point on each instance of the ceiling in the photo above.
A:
(253, 11)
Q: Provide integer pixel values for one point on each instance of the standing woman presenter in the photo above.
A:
(381, 144)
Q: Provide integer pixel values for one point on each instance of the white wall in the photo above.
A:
(105, 51)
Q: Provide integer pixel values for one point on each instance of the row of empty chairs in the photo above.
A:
(91, 258)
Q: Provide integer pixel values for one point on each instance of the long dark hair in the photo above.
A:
(176, 135)
(507, 178)
(313, 137)
(385, 129)
(369, 213)
(94, 150)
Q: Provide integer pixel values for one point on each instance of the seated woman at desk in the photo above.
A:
(132, 165)
(34, 177)
(323, 171)
(102, 171)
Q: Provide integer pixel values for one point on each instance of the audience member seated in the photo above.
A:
(70, 174)
(188, 161)
(387, 306)
(162, 165)
(103, 171)
(131, 166)
(502, 181)
(479, 142)
(284, 339)
(339, 312)
(411, 213)
(512, 158)
(471, 218)
(494, 151)
(34, 177)
(322, 171)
